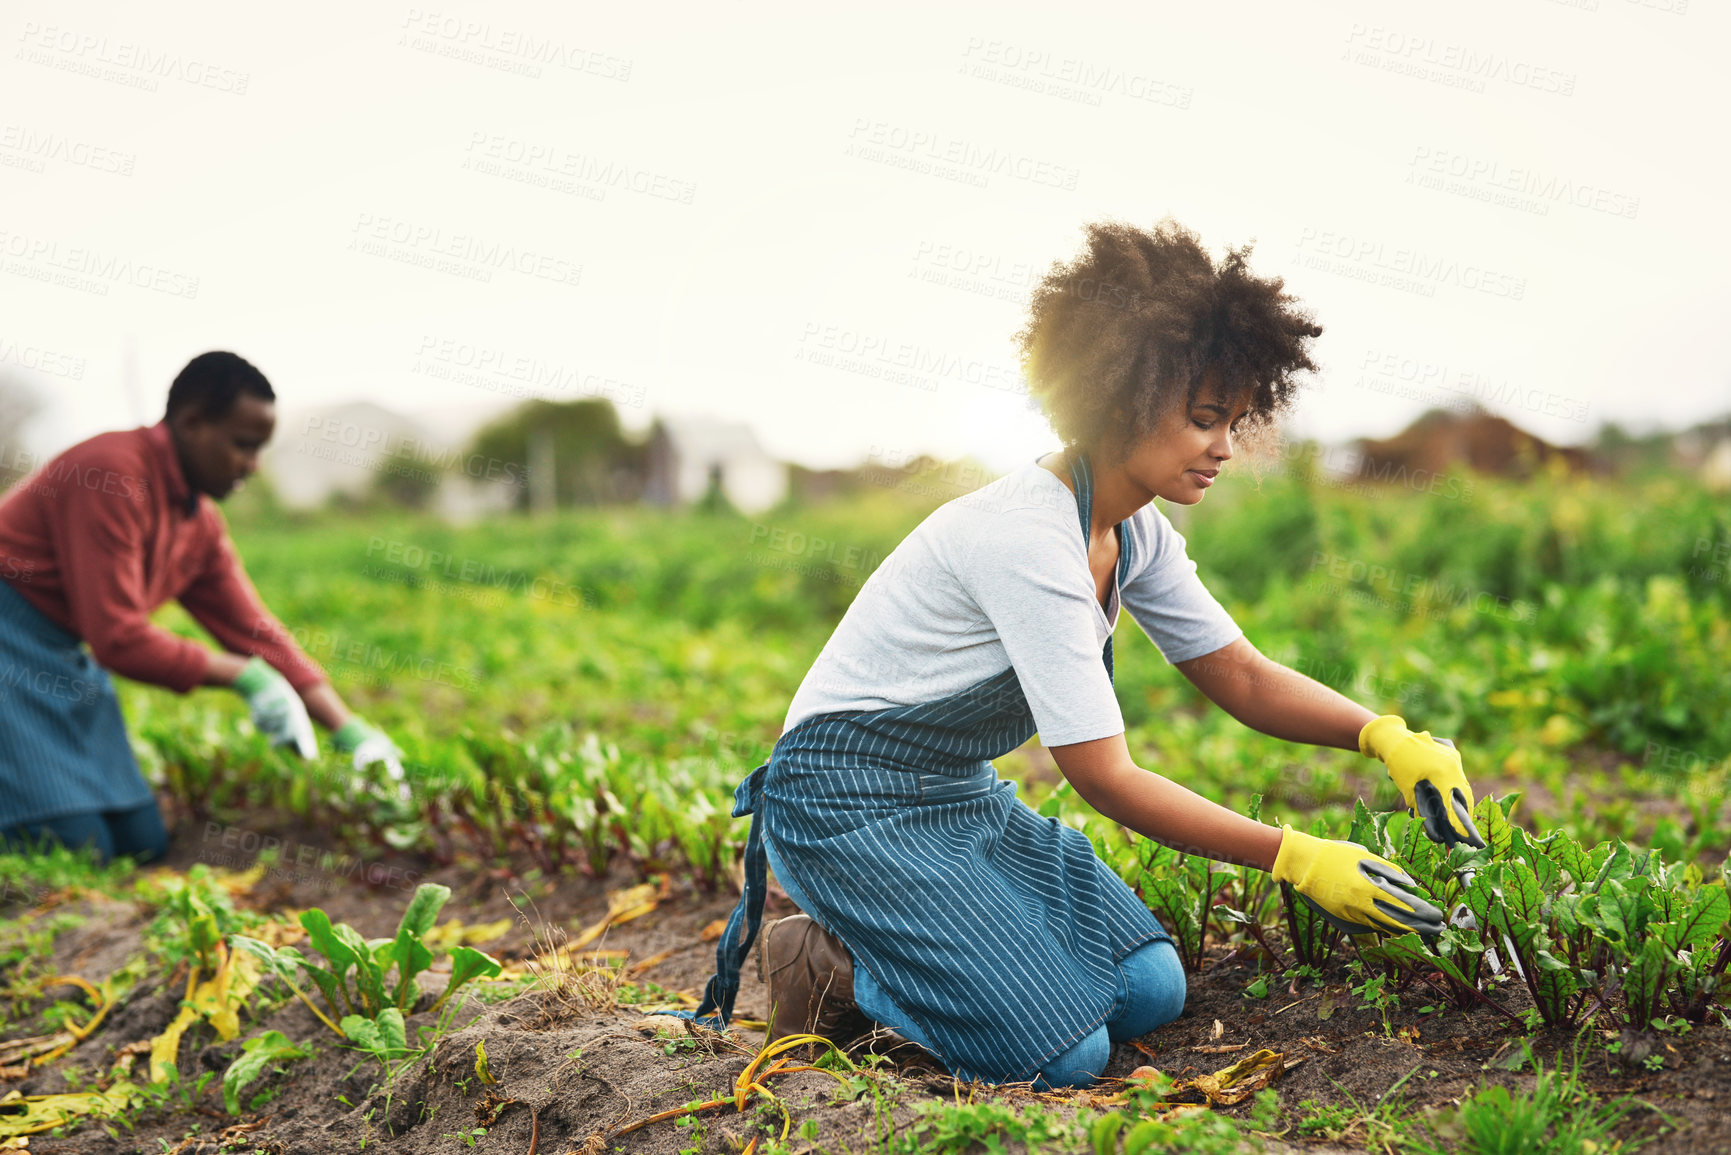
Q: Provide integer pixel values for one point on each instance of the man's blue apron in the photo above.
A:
(996, 930)
(63, 745)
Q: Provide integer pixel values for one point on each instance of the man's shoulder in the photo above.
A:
(117, 449)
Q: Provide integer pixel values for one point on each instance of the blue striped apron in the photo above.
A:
(996, 930)
(63, 745)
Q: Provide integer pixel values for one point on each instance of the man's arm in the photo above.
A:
(1278, 701)
(224, 602)
(321, 701)
(1158, 808)
(98, 539)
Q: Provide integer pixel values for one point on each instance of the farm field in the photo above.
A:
(578, 695)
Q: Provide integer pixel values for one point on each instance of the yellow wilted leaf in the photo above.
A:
(452, 933)
(165, 1048)
(1559, 731)
(623, 905)
(238, 882)
(217, 999)
(1235, 1084)
(220, 997)
(21, 1115)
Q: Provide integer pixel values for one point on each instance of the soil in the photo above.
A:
(571, 1075)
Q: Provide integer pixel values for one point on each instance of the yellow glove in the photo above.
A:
(1359, 892)
(1428, 772)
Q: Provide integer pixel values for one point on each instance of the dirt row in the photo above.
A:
(573, 1071)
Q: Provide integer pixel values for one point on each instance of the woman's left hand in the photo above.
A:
(1428, 772)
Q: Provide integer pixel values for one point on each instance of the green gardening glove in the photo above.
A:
(1357, 891)
(277, 711)
(1428, 772)
(369, 744)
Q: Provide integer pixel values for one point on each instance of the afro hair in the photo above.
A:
(1141, 320)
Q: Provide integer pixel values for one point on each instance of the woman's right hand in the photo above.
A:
(1357, 891)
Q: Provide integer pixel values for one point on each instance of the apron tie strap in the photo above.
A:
(742, 925)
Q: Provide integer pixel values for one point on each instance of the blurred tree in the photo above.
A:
(403, 481)
(593, 461)
(18, 404)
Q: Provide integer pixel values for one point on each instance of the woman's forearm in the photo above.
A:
(1286, 704)
(1158, 808)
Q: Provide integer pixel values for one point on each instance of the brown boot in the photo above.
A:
(810, 978)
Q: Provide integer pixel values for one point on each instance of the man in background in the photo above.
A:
(90, 546)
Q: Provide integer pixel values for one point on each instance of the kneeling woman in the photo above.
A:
(937, 903)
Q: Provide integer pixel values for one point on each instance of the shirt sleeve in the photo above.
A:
(1037, 592)
(1169, 601)
(98, 535)
(224, 602)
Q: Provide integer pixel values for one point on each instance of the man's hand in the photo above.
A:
(1428, 772)
(276, 709)
(369, 744)
(1359, 892)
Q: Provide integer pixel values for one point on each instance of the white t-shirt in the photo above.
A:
(999, 578)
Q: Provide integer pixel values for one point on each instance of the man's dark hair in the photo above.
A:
(211, 381)
(1135, 322)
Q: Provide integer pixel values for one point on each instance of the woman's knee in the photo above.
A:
(1081, 1064)
(138, 833)
(1155, 990)
(73, 831)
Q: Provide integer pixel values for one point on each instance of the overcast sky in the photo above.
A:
(825, 224)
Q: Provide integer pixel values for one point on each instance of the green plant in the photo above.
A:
(1603, 931)
(1381, 1126)
(1373, 990)
(466, 1138)
(1557, 1117)
(257, 1054)
(195, 915)
(358, 984)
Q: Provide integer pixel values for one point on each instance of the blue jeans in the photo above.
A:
(1151, 990)
(137, 832)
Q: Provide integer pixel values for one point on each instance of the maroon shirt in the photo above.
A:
(106, 532)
